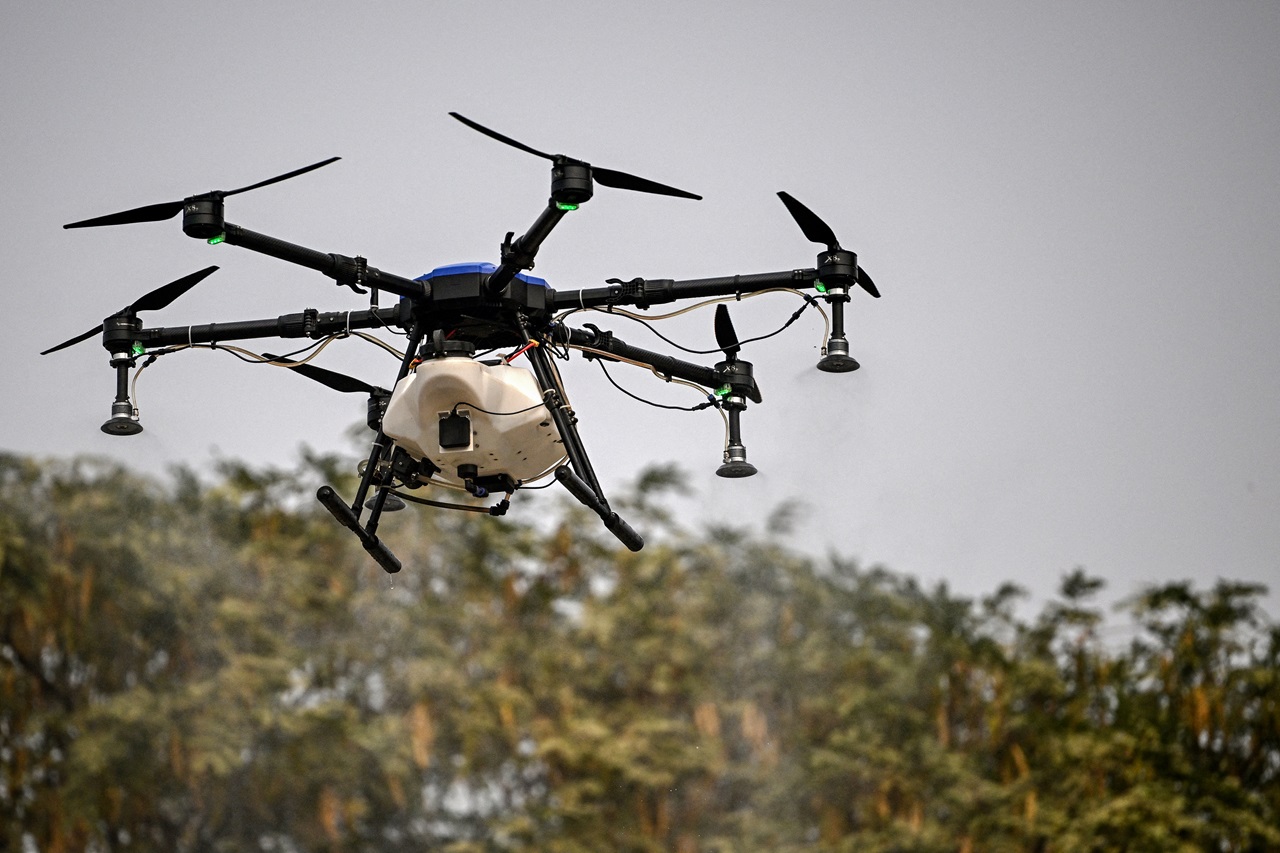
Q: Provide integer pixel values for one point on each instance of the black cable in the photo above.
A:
(808, 300)
(439, 504)
(476, 408)
(278, 361)
(395, 330)
(262, 360)
(307, 348)
(560, 318)
(498, 509)
(696, 408)
(172, 350)
(559, 350)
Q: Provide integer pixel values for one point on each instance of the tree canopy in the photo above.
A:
(213, 664)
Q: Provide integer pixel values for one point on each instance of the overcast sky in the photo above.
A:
(1072, 212)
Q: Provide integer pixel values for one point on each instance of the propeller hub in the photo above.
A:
(571, 183)
(202, 217)
(118, 335)
(737, 376)
(837, 268)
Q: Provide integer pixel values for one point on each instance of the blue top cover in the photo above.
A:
(484, 269)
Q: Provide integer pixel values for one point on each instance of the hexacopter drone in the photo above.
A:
(459, 416)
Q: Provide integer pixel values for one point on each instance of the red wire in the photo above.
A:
(521, 351)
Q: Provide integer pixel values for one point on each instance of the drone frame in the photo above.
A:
(493, 309)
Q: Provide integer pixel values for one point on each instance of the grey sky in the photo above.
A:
(1071, 212)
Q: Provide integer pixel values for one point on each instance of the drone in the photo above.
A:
(460, 415)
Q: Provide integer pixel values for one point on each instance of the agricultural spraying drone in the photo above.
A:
(461, 414)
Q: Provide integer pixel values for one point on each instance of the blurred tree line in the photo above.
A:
(218, 666)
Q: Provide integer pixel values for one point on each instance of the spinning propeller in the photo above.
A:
(602, 176)
(169, 209)
(161, 297)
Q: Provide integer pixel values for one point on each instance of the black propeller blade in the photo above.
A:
(493, 134)
(336, 381)
(604, 177)
(169, 209)
(161, 297)
(726, 337)
(817, 231)
(77, 339)
(736, 374)
(148, 213)
(865, 282)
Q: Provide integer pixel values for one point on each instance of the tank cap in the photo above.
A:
(444, 348)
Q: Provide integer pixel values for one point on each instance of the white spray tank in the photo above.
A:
(455, 410)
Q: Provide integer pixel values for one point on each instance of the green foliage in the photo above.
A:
(218, 666)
